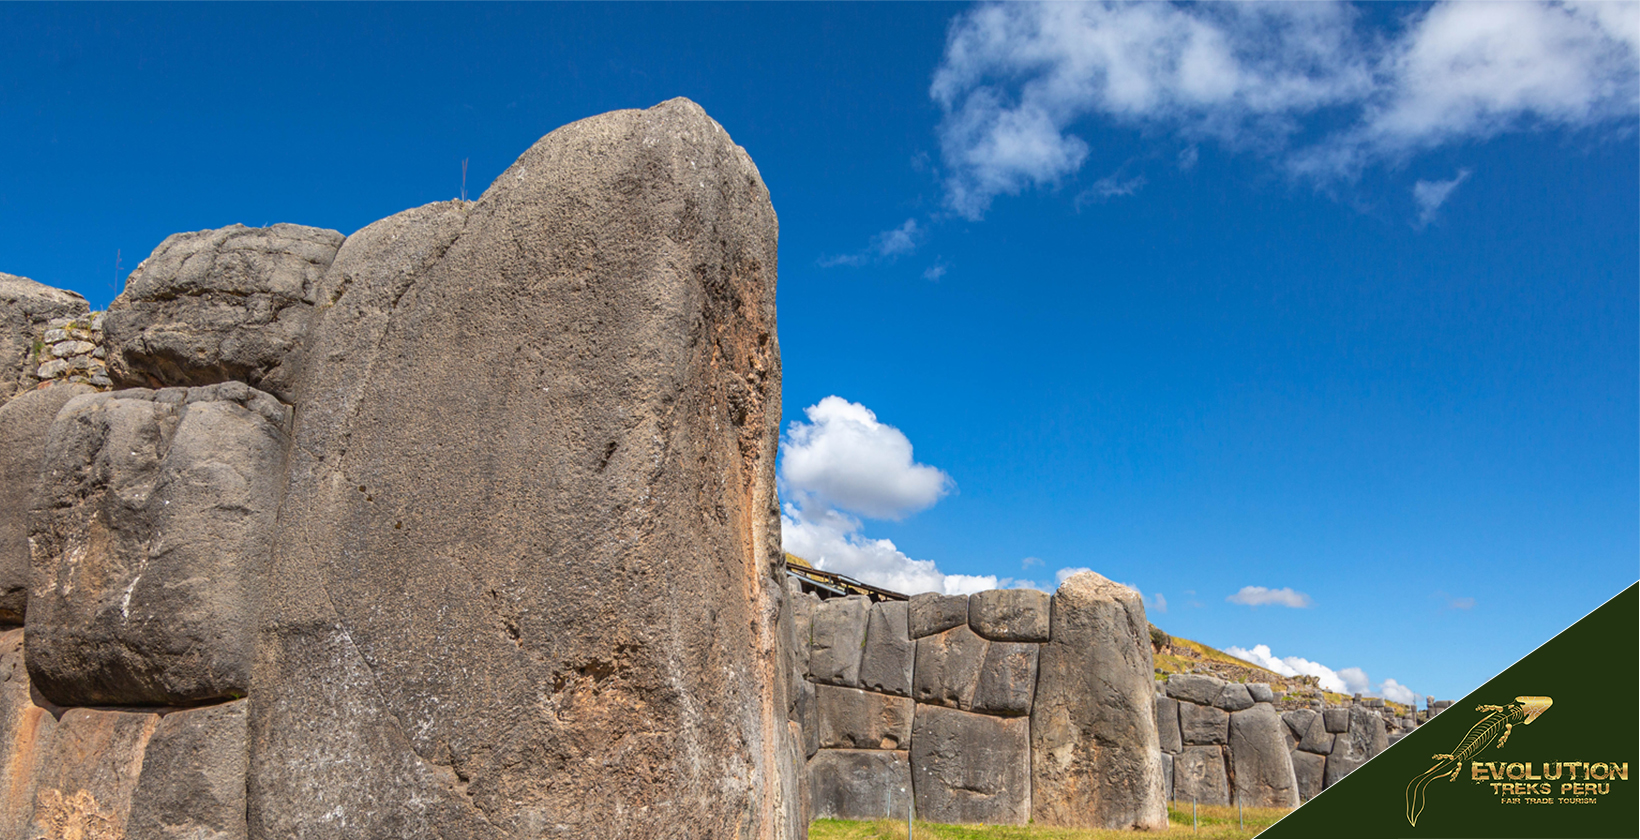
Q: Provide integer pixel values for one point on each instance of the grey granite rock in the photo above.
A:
(948, 667)
(1010, 615)
(1234, 697)
(1007, 680)
(838, 640)
(25, 424)
(1336, 719)
(1298, 720)
(1309, 770)
(860, 784)
(1261, 692)
(1167, 725)
(862, 720)
(1262, 770)
(1367, 736)
(932, 613)
(1340, 765)
(193, 777)
(1316, 737)
(889, 654)
(1202, 725)
(1200, 689)
(1199, 776)
(971, 768)
(26, 309)
(1167, 774)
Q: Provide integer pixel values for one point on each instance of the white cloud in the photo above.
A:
(1256, 596)
(1158, 603)
(1112, 186)
(844, 458)
(1342, 681)
(1430, 195)
(934, 272)
(1060, 576)
(832, 541)
(1188, 159)
(1307, 83)
(886, 245)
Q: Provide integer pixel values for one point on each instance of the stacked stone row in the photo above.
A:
(71, 350)
(927, 700)
(1328, 744)
(1224, 742)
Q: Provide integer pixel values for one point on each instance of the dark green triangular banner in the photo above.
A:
(1548, 748)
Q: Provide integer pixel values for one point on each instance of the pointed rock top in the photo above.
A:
(1092, 586)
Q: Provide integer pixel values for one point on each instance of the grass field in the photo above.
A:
(1214, 822)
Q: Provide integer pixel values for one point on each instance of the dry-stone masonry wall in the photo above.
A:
(336, 562)
(1000, 707)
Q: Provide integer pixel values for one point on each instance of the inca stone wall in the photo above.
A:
(1006, 706)
(333, 561)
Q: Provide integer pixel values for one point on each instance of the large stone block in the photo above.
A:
(219, 305)
(1367, 736)
(808, 716)
(193, 777)
(1200, 725)
(1340, 765)
(1199, 776)
(1010, 615)
(1262, 770)
(804, 605)
(1234, 697)
(1261, 692)
(971, 768)
(889, 654)
(948, 667)
(1336, 720)
(25, 424)
(87, 773)
(932, 613)
(1167, 725)
(152, 527)
(852, 719)
(1298, 720)
(1007, 680)
(1201, 689)
(1316, 738)
(838, 640)
(26, 310)
(860, 784)
(1309, 770)
(26, 730)
(1167, 775)
(1093, 728)
(528, 572)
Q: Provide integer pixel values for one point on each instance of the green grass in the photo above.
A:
(1215, 822)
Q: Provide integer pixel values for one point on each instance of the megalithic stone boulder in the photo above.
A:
(948, 667)
(860, 784)
(862, 720)
(1199, 776)
(528, 576)
(26, 310)
(25, 424)
(1309, 770)
(838, 640)
(1262, 770)
(1094, 748)
(218, 305)
(885, 664)
(1007, 680)
(152, 527)
(931, 613)
(970, 768)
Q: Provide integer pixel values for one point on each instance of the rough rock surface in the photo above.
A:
(852, 719)
(1340, 765)
(860, 784)
(933, 613)
(971, 768)
(531, 587)
(193, 777)
(1167, 775)
(1336, 719)
(218, 305)
(1234, 697)
(151, 528)
(25, 309)
(837, 640)
(1199, 776)
(1007, 680)
(885, 664)
(1261, 692)
(1316, 737)
(1093, 729)
(1200, 725)
(1201, 689)
(1298, 720)
(948, 667)
(1010, 615)
(25, 424)
(803, 606)
(1367, 736)
(1167, 725)
(1309, 770)
(1258, 753)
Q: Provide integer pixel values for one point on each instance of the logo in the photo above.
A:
(1499, 723)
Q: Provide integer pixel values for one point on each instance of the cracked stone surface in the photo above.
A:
(26, 309)
(532, 587)
(25, 424)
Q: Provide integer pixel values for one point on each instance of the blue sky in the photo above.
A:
(1335, 302)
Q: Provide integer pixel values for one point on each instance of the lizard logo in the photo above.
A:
(1498, 723)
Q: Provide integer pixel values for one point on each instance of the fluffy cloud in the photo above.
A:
(1430, 195)
(1257, 596)
(843, 458)
(1342, 681)
(832, 541)
(886, 245)
(1015, 78)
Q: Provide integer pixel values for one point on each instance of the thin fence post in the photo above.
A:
(1194, 826)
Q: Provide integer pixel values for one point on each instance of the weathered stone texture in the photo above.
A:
(1309, 770)
(1007, 679)
(1340, 765)
(860, 784)
(1336, 720)
(1258, 753)
(1167, 775)
(219, 305)
(1199, 776)
(25, 425)
(838, 639)
(1200, 689)
(530, 587)
(948, 667)
(971, 768)
(862, 720)
(1316, 737)
(1010, 615)
(1167, 725)
(193, 777)
(1367, 736)
(26, 308)
(1261, 692)
(932, 613)
(1093, 729)
(151, 528)
(1298, 720)
(1200, 725)
(1234, 697)
(886, 663)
